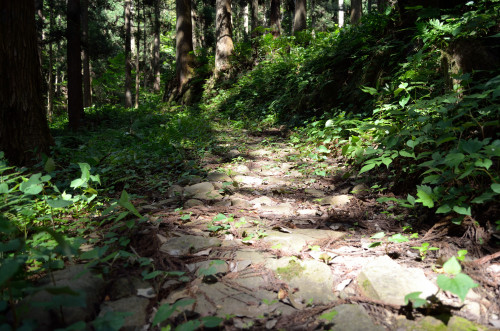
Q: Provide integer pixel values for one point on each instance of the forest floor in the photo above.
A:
(263, 242)
(270, 245)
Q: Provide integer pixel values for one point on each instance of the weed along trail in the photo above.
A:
(262, 241)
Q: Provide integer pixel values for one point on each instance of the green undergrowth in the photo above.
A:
(390, 102)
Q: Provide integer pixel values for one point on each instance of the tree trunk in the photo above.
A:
(313, 14)
(246, 21)
(50, 92)
(145, 49)
(299, 20)
(356, 11)
(194, 22)
(156, 46)
(341, 13)
(223, 35)
(128, 62)
(87, 94)
(75, 95)
(184, 43)
(274, 18)
(255, 16)
(24, 133)
(137, 64)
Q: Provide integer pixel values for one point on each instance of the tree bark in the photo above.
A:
(299, 20)
(75, 95)
(137, 62)
(255, 16)
(356, 11)
(274, 18)
(24, 133)
(87, 94)
(156, 47)
(223, 35)
(145, 49)
(128, 62)
(341, 13)
(50, 92)
(184, 43)
(246, 20)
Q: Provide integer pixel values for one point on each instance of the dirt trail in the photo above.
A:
(268, 245)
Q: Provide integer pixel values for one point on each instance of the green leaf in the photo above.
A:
(406, 154)
(411, 199)
(329, 316)
(207, 271)
(163, 313)
(85, 168)
(425, 195)
(32, 186)
(495, 187)
(485, 163)
(79, 182)
(404, 100)
(462, 210)
(398, 238)
(366, 168)
(444, 209)
(323, 149)
(452, 266)
(211, 321)
(378, 235)
(59, 203)
(9, 268)
(471, 146)
(415, 299)
(412, 143)
(454, 159)
(153, 274)
(4, 188)
(486, 196)
(50, 165)
(459, 285)
(125, 203)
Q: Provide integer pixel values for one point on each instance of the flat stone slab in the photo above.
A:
(263, 201)
(188, 244)
(285, 209)
(213, 195)
(218, 177)
(314, 192)
(135, 306)
(312, 279)
(295, 241)
(199, 188)
(353, 318)
(248, 180)
(337, 200)
(259, 152)
(193, 203)
(384, 279)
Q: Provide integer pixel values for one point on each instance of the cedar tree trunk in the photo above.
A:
(128, 63)
(275, 18)
(75, 95)
(299, 20)
(223, 35)
(184, 43)
(356, 11)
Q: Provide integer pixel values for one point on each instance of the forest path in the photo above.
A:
(268, 244)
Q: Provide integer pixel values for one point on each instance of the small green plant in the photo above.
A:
(461, 254)
(424, 249)
(455, 281)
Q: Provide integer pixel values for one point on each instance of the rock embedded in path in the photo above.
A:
(193, 203)
(284, 209)
(248, 180)
(259, 153)
(314, 192)
(199, 188)
(136, 307)
(336, 200)
(187, 244)
(384, 279)
(213, 195)
(174, 191)
(263, 200)
(218, 177)
(295, 241)
(353, 318)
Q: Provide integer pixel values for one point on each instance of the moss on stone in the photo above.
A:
(292, 270)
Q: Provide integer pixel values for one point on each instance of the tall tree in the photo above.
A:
(50, 92)
(75, 95)
(24, 132)
(128, 62)
(356, 11)
(156, 47)
(87, 95)
(255, 16)
(299, 20)
(137, 55)
(274, 18)
(223, 35)
(246, 20)
(184, 43)
(341, 13)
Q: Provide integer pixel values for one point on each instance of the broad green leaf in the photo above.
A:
(111, 321)
(462, 210)
(59, 203)
(459, 285)
(323, 149)
(153, 274)
(9, 268)
(407, 154)
(329, 124)
(454, 159)
(163, 313)
(485, 163)
(125, 203)
(471, 146)
(415, 299)
(85, 168)
(211, 321)
(486, 196)
(4, 188)
(404, 100)
(369, 90)
(50, 165)
(378, 235)
(32, 186)
(366, 168)
(425, 195)
(207, 271)
(411, 199)
(219, 217)
(452, 266)
(398, 238)
(412, 143)
(11, 245)
(329, 316)
(444, 209)
(184, 302)
(495, 187)
(79, 182)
